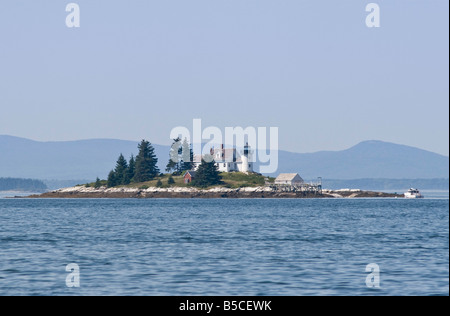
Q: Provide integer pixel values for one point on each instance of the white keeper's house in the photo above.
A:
(229, 160)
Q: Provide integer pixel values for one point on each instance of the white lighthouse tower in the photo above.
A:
(246, 166)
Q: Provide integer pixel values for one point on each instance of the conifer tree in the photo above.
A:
(207, 174)
(174, 164)
(187, 159)
(112, 182)
(146, 163)
(121, 170)
(130, 171)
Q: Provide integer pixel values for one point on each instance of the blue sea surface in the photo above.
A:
(224, 246)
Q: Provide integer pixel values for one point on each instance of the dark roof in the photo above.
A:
(191, 172)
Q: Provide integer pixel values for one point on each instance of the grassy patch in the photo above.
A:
(103, 183)
(229, 180)
(178, 182)
(240, 180)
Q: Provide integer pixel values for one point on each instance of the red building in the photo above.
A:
(189, 176)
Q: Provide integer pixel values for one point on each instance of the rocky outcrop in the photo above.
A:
(183, 192)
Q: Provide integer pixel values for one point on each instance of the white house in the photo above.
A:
(228, 160)
(289, 179)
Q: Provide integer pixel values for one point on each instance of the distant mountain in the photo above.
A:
(84, 159)
(368, 159)
(87, 159)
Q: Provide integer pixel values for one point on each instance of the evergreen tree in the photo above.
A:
(170, 180)
(207, 174)
(130, 171)
(146, 163)
(112, 182)
(97, 183)
(187, 156)
(174, 164)
(121, 170)
(159, 183)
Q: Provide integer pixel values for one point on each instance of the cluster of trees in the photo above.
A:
(140, 169)
(28, 185)
(181, 157)
(144, 167)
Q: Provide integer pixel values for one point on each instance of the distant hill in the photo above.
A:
(369, 159)
(25, 185)
(84, 159)
(87, 159)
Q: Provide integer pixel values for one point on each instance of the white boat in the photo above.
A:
(413, 194)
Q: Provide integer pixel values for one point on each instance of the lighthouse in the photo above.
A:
(245, 159)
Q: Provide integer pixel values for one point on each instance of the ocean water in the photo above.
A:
(428, 194)
(224, 247)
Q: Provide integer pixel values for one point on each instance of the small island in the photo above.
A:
(221, 174)
(234, 185)
(22, 185)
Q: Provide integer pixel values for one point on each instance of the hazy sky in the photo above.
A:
(135, 69)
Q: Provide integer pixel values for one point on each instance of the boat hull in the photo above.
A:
(413, 194)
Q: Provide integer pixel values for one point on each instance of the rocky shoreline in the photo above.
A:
(219, 192)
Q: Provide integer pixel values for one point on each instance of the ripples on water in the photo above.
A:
(224, 247)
